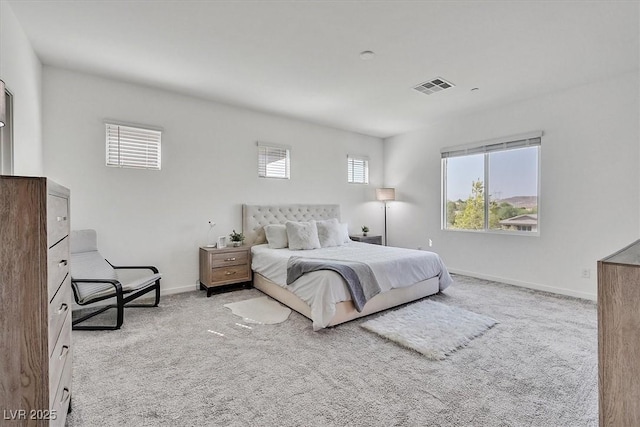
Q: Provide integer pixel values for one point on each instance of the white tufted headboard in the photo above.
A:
(255, 217)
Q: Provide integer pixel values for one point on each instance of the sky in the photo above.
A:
(511, 173)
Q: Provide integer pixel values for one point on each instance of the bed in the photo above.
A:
(322, 296)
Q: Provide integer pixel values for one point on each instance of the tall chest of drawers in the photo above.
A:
(35, 302)
(619, 337)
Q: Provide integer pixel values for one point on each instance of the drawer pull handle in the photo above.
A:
(229, 273)
(65, 395)
(61, 218)
(62, 263)
(63, 352)
(63, 307)
(230, 259)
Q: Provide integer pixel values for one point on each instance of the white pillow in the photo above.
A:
(276, 236)
(345, 232)
(302, 235)
(330, 233)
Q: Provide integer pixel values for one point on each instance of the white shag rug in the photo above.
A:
(262, 310)
(431, 328)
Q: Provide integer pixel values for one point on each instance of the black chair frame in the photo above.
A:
(121, 300)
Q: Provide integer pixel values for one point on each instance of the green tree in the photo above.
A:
(451, 212)
(472, 217)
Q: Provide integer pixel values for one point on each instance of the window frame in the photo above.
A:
(154, 135)
(276, 147)
(525, 140)
(350, 169)
(6, 136)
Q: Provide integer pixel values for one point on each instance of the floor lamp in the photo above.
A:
(385, 195)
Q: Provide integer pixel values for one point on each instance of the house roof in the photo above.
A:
(525, 219)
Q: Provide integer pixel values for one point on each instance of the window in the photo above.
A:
(6, 131)
(357, 170)
(133, 147)
(493, 185)
(273, 161)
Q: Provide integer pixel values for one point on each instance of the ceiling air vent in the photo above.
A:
(433, 86)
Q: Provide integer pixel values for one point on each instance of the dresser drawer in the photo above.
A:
(58, 265)
(61, 354)
(231, 274)
(59, 308)
(60, 403)
(57, 218)
(229, 258)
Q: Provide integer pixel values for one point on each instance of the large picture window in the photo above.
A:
(493, 185)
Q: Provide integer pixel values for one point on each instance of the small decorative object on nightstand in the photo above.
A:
(236, 238)
(365, 230)
(220, 267)
(374, 240)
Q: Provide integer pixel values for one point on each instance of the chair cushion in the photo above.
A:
(83, 241)
(91, 265)
(143, 282)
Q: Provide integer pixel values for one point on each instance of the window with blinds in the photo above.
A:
(493, 185)
(357, 170)
(273, 161)
(133, 147)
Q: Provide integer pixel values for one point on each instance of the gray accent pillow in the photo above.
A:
(302, 235)
(276, 236)
(330, 233)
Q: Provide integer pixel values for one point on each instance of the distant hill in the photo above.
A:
(521, 201)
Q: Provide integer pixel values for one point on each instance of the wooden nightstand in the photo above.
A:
(222, 267)
(374, 240)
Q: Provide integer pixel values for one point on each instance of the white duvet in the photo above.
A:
(321, 290)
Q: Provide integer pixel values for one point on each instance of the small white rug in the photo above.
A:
(431, 328)
(262, 310)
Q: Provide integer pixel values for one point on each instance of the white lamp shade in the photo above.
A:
(385, 194)
(3, 107)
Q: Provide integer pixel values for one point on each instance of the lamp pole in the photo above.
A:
(385, 223)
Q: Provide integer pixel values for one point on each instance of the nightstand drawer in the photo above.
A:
(228, 258)
(231, 274)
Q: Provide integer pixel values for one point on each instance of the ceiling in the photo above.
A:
(301, 58)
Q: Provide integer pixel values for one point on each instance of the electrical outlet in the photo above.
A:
(430, 243)
(586, 273)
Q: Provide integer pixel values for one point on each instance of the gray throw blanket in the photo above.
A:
(358, 276)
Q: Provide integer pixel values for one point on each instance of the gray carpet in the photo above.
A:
(537, 367)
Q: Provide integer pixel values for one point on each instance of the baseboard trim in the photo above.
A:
(163, 292)
(529, 285)
(178, 290)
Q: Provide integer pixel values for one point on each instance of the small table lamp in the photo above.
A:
(385, 195)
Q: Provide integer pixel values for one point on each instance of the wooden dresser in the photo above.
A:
(619, 337)
(224, 266)
(35, 302)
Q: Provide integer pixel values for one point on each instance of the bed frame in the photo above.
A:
(255, 217)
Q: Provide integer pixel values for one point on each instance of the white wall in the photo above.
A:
(21, 71)
(589, 187)
(209, 168)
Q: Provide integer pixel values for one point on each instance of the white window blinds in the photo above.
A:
(273, 161)
(531, 139)
(357, 170)
(133, 147)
